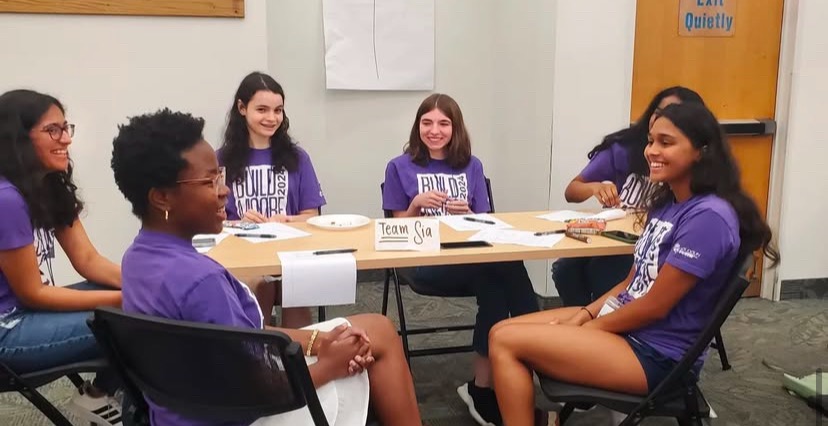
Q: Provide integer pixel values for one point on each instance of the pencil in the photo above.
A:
(579, 237)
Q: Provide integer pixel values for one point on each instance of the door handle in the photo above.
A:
(749, 127)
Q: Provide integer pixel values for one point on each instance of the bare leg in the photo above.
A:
(296, 317)
(482, 371)
(265, 293)
(542, 317)
(392, 388)
(483, 367)
(571, 354)
(291, 317)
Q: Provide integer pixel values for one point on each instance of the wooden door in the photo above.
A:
(735, 75)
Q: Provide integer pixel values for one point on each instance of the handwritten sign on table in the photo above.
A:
(407, 234)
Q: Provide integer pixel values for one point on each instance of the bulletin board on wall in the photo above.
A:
(194, 8)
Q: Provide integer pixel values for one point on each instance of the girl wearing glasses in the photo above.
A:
(165, 276)
(43, 325)
(270, 178)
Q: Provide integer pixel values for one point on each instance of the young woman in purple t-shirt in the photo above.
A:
(43, 325)
(438, 175)
(270, 178)
(698, 223)
(617, 176)
(172, 179)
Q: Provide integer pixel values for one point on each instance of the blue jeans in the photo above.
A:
(581, 280)
(45, 339)
(502, 289)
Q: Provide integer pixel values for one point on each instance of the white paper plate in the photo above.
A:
(339, 222)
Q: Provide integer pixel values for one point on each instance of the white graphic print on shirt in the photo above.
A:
(262, 190)
(646, 257)
(635, 190)
(44, 242)
(456, 186)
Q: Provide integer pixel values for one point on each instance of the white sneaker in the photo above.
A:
(491, 411)
(616, 418)
(103, 411)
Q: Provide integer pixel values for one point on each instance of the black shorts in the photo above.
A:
(656, 366)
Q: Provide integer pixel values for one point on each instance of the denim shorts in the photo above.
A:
(38, 339)
(656, 366)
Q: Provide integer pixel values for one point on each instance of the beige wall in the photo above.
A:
(803, 233)
(106, 68)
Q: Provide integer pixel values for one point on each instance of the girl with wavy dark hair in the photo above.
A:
(43, 325)
(271, 179)
(699, 222)
(617, 176)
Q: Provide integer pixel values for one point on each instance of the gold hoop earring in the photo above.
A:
(166, 215)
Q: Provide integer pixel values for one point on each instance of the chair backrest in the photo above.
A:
(385, 212)
(388, 213)
(206, 371)
(735, 286)
(489, 193)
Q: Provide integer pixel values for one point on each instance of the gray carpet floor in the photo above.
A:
(791, 335)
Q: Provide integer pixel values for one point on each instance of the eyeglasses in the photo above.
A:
(216, 182)
(56, 132)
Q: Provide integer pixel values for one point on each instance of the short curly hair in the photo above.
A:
(146, 153)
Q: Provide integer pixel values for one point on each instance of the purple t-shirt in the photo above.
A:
(612, 165)
(165, 276)
(404, 180)
(700, 237)
(270, 192)
(15, 232)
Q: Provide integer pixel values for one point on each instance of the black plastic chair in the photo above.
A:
(27, 383)
(206, 371)
(678, 395)
(395, 275)
(321, 313)
(718, 345)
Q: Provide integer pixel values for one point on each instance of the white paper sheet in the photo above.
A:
(522, 238)
(611, 214)
(317, 280)
(280, 230)
(564, 215)
(461, 223)
(216, 237)
(379, 44)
